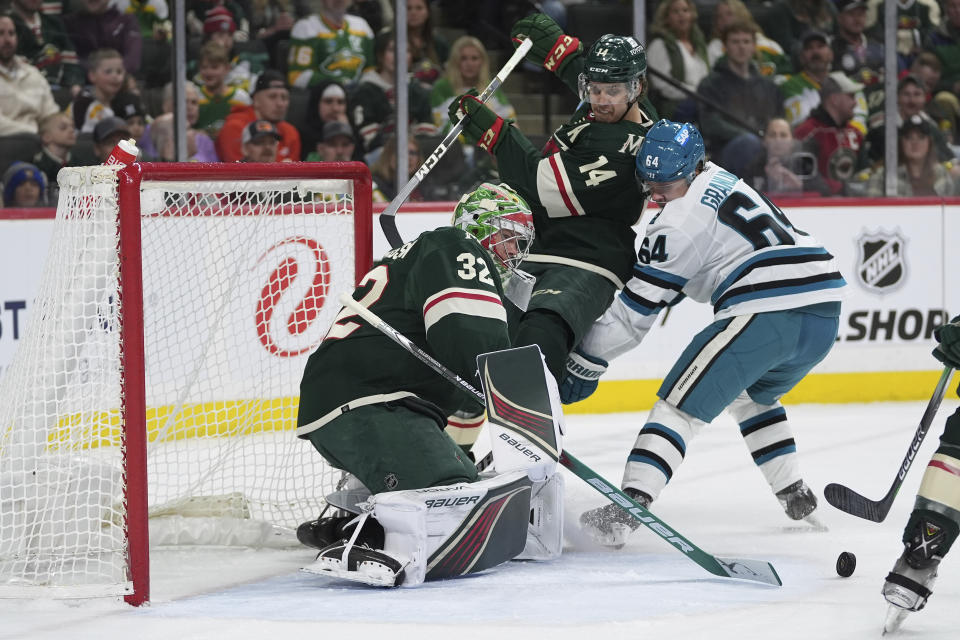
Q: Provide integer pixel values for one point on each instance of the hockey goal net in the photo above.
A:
(159, 373)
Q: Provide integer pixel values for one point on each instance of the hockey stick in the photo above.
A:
(388, 219)
(753, 570)
(846, 499)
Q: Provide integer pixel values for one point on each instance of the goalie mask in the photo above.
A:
(613, 71)
(501, 220)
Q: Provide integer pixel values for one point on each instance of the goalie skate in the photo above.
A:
(323, 532)
(610, 525)
(357, 563)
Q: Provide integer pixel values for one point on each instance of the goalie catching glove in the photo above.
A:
(552, 48)
(582, 376)
(481, 126)
(948, 349)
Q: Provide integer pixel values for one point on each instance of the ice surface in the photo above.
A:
(717, 499)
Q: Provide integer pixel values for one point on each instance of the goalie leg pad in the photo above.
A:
(545, 530)
(444, 532)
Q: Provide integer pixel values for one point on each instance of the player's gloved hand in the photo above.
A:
(481, 126)
(948, 351)
(581, 377)
(552, 48)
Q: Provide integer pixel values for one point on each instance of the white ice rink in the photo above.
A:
(718, 499)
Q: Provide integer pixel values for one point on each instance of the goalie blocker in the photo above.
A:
(449, 531)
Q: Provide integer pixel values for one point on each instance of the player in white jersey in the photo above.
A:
(775, 293)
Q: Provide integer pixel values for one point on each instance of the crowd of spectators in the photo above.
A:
(788, 93)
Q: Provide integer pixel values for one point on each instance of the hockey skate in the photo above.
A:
(358, 563)
(908, 585)
(610, 525)
(323, 532)
(799, 503)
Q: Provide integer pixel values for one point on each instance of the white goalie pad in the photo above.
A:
(545, 529)
(444, 532)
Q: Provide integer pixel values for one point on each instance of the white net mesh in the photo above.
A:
(240, 279)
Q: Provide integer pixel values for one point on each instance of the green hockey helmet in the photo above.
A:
(613, 59)
(501, 220)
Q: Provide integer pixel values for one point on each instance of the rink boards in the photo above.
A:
(895, 255)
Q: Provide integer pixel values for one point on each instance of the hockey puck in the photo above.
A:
(846, 563)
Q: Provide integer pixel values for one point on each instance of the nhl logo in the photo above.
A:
(881, 266)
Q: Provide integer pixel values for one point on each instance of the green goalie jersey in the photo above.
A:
(583, 192)
(441, 291)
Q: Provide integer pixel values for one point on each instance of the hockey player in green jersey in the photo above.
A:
(377, 412)
(581, 190)
(934, 523)
(443, 291)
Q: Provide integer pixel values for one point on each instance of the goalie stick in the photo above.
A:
(388, 219)
(753, 570)
(848, 500)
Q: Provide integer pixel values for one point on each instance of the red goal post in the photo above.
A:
(155, 389)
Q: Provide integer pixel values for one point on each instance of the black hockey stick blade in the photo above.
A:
(390, 232)
(848, 500)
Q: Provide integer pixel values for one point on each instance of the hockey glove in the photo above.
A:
(481, 126)
(948, 351)
(552, 48)
(581, 377)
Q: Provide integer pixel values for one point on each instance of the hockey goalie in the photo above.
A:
(416, 507)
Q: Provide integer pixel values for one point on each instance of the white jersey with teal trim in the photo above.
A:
(725, 244)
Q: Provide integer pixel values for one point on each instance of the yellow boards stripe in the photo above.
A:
(878, 386)
(243, 417)
(224, 418)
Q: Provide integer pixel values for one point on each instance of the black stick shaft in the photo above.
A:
(849, 501)
(388, 219)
